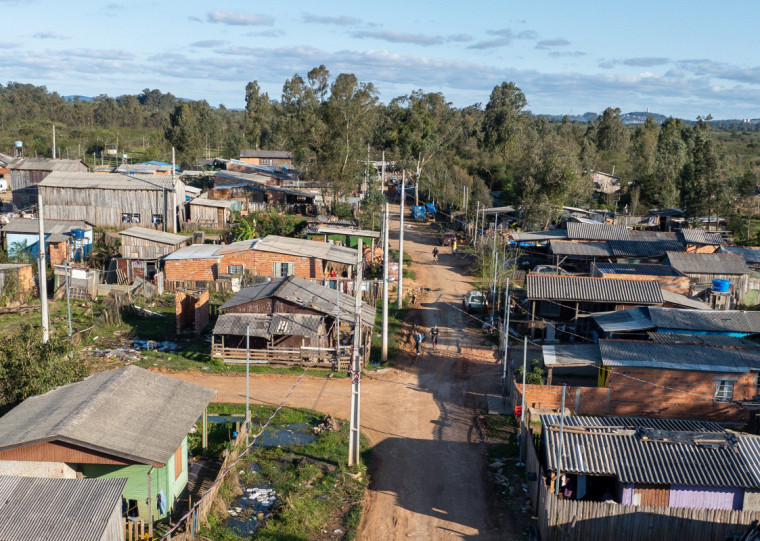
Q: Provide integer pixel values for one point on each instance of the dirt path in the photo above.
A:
(428, 472)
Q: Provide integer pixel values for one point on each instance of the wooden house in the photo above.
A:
(288, 320)
(275, 158)
(703, 268)
(114, 200)
(27, 173)
(607, 188)
(212, 213)
(64, 239)
(258, 191)
(657, 463)
(701, 241)
(668, 277)
(751, 255)
(47, 509)
(142, 250)
(124, 423)
(562, 299)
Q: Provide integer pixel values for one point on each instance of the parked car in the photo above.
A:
(448, 238)
(475, 301)
(549, 269)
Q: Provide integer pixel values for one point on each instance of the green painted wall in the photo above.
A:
(137, 479)
(350, 242)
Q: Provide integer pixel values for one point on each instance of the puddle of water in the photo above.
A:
(297, 434)
(250, 510)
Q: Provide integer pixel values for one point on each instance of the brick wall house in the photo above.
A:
(192, 310)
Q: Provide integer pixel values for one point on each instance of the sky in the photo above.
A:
(678, 58)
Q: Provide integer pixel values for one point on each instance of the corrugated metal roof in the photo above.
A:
(644, 248)
(266, 325)
(47, 164)
(283, 154)
(50, 509)
(684, 301)
(708, 339)
(572, 355)
(587, 289)
(154, 235)
(215, 203)
(717, 263)
(328, 230)
(583, 231)
(108, 181)
(142, 168)
(631, 320)
(235, 324)
(637, 269)
(304, 293)
(295, 324)
(750, 254)
(583, 249)
(632, 449)
(32, 226)
(705, 320)
(700, 236)
(307, 248)
(700, 358)
(539, 236)
(194, 251)
(128, 412)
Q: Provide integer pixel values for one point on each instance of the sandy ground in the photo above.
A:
(428, 475)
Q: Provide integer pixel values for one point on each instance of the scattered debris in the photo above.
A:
(329, 424)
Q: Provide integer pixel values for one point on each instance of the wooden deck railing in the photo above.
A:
(280, 355)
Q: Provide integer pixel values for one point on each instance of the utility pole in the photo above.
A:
(495, 271)
(400, 299)
(247, 381)
(522, 407)
(356, 371)
(337, 321)
(507, 312)
(382, 181)
(42, 274)
(68, 299)
(477, 216)
(559, 447)
(54, 148)
(483, 222)
(386, 261)
(174, 196)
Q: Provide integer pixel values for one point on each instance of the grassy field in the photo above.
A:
(318, 493)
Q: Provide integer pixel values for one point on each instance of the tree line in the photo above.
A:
(333, 124)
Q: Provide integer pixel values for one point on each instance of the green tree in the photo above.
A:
(504, 118)
(258, 116)
(28, 367)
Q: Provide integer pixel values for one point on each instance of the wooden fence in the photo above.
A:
(199, 514)
(135, 530)
(570, 520)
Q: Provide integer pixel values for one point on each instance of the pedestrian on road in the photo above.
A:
(434, 332)
(418, 338)
(435, 254)
(454, 247)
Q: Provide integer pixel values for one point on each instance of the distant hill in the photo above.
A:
(641, 118)
(77, 98)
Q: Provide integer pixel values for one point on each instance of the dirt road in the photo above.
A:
(428, 476)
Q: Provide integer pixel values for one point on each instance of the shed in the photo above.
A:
(114, 199)
(281, 158)
(18, 277)
(63, 238)
(123, 423)
(60, 509)
(578, 360)
(664, 462)
(27, 173)
(750, 254)
(144, 243)
(703, 268)
(668, 277)
(211, 212)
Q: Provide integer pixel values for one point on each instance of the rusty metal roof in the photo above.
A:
(48, 509)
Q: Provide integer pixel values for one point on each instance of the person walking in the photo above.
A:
(454, 247)
(434, 332)
(435, 254)
(418, 338)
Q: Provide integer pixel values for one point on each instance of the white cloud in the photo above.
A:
(236, 18)
(48, 35)
(551, 43)
(341, 20)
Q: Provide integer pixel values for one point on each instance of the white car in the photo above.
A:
(475, 301)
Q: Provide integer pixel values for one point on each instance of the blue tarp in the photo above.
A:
(430, 207)
(418, 212)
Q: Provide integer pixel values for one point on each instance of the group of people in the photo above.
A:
(436, 251)
(420, 337)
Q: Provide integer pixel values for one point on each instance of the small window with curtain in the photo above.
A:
(283, 269)
(724, 390)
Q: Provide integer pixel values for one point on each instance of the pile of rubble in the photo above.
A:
(329, 424)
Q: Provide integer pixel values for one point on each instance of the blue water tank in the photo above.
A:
(720, 285)
(77, 233)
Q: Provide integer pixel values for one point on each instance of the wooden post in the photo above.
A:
(205, 429)
(150, 505)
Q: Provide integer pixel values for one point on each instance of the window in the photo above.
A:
(724, 390)
(156, 219)
(178, 462)
(235, 269)
(283, 269)
(130, 217)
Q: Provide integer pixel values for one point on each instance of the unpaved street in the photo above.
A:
(428, 476)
